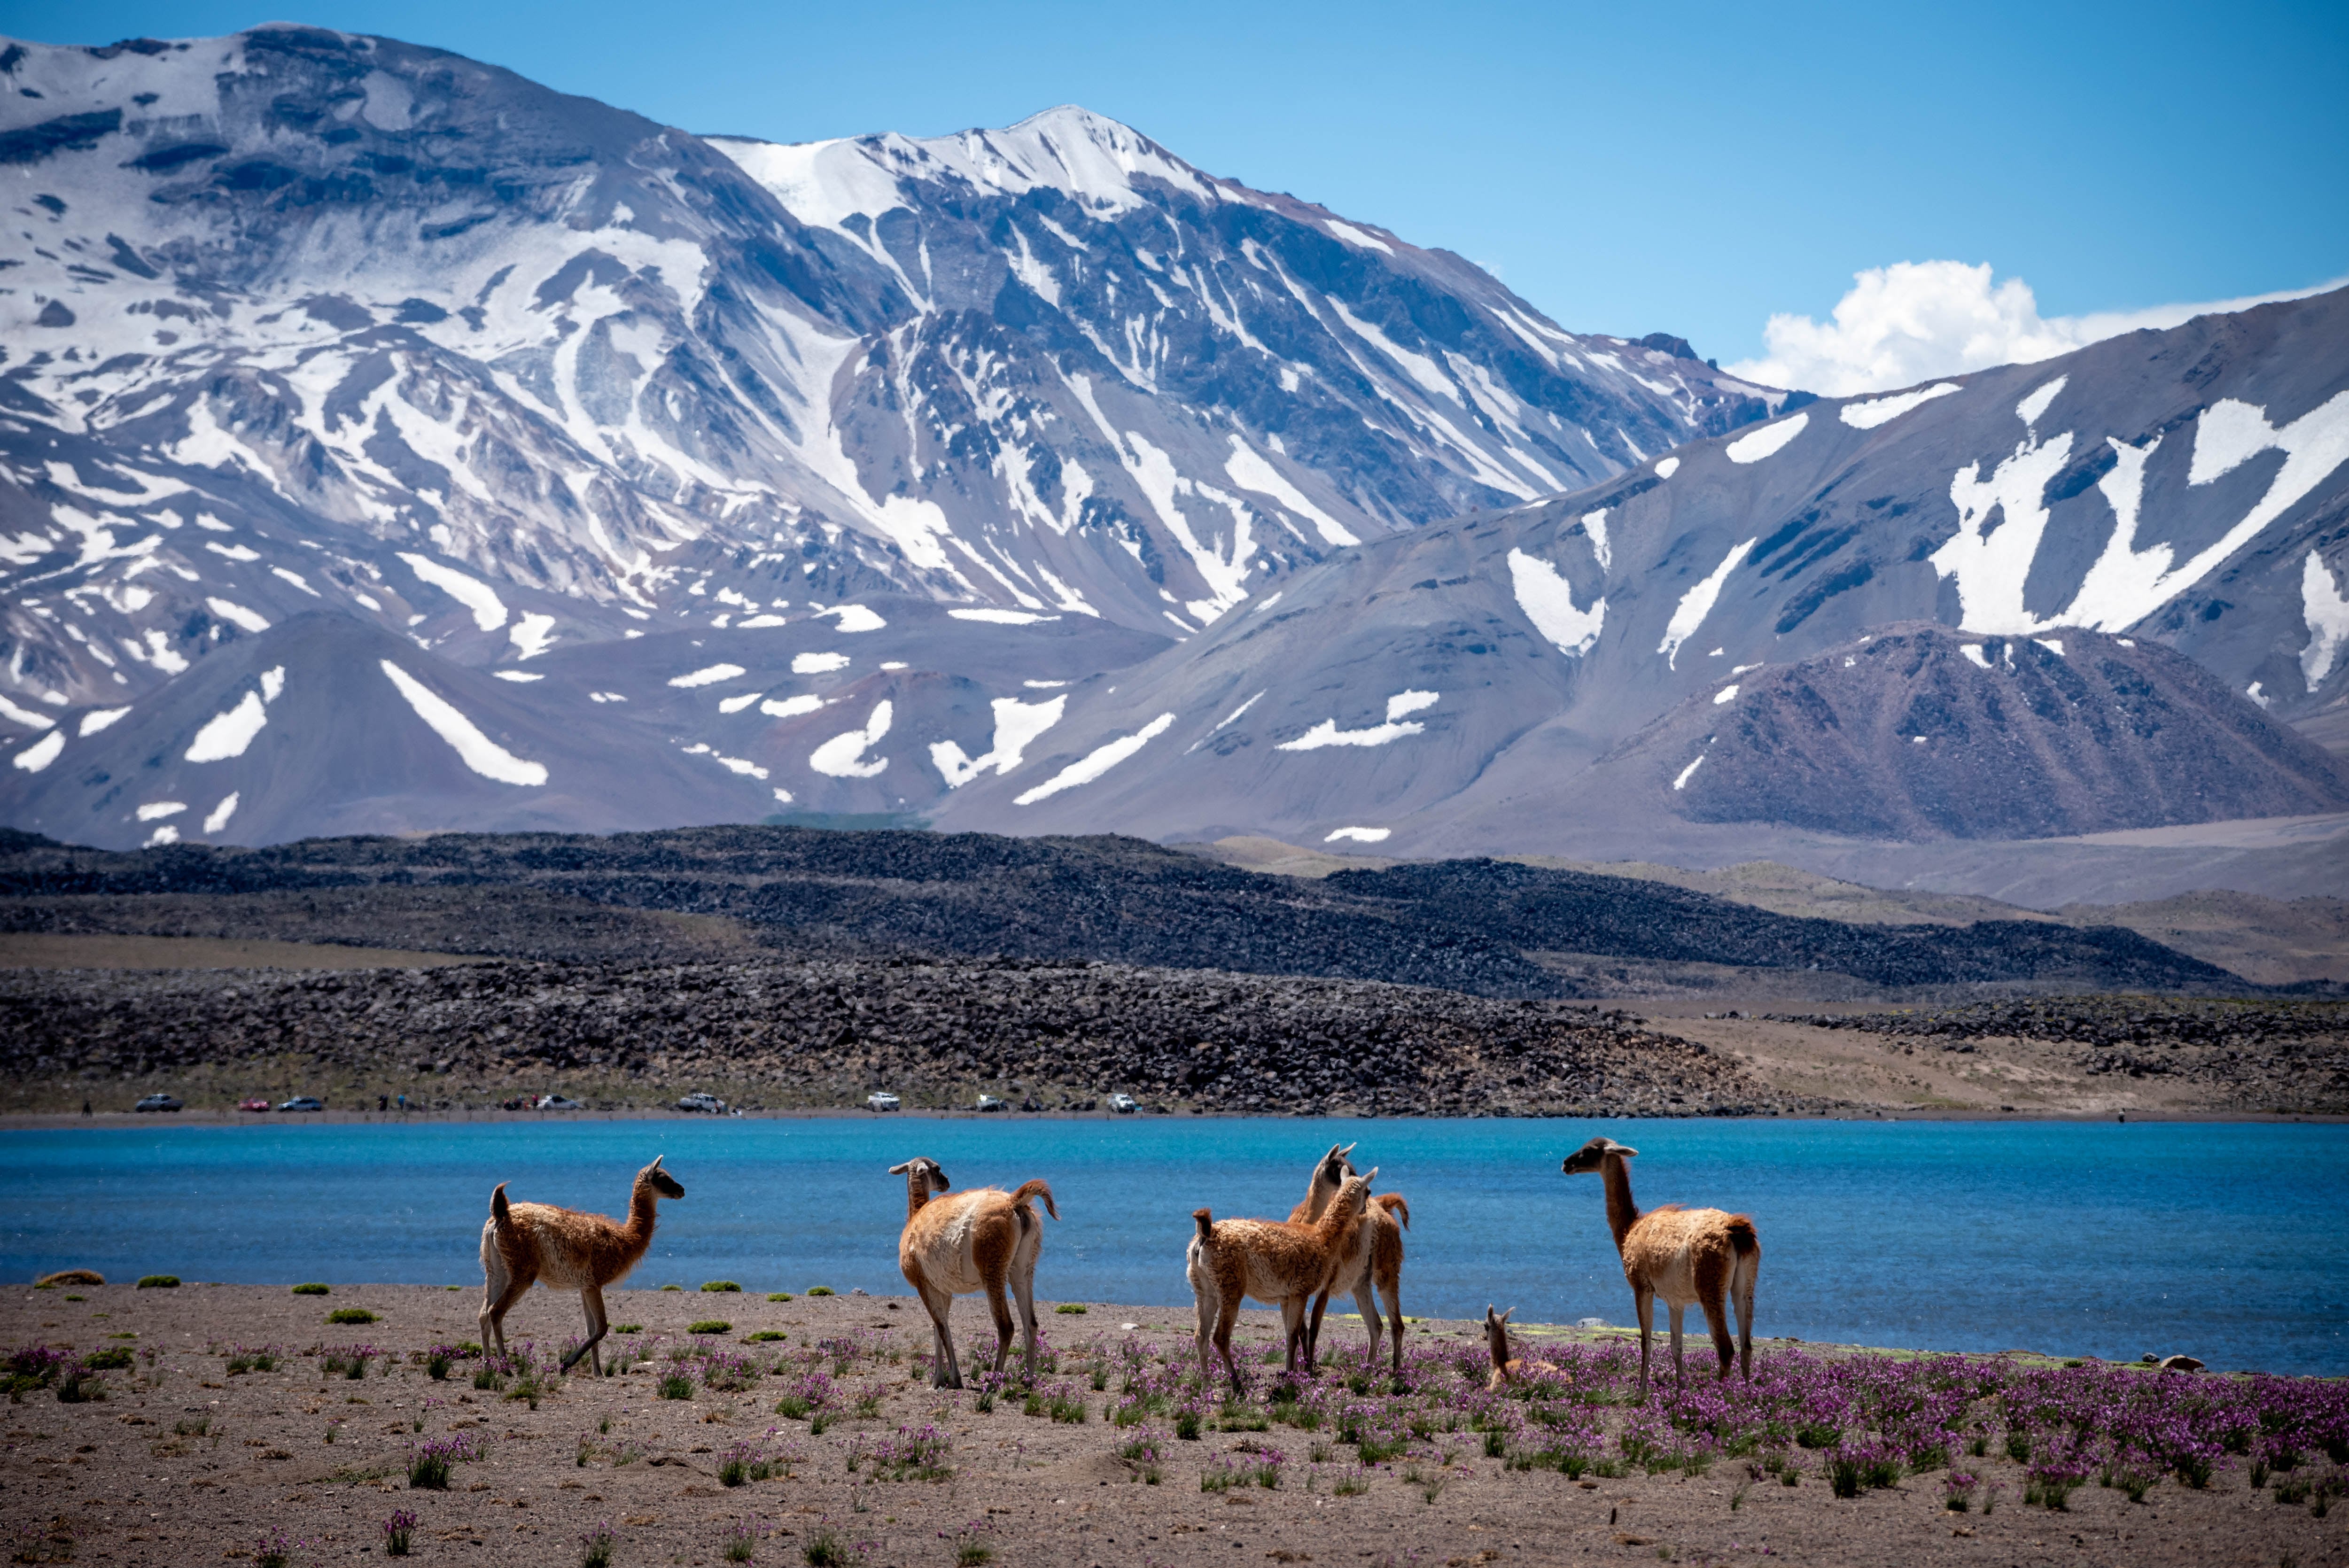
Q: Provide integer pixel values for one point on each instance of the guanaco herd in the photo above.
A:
(1340, 1239)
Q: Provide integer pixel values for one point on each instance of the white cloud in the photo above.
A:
(1915, 320)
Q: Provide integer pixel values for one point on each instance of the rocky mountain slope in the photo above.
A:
(1924, 733)
(1464, 688)
(303, 321)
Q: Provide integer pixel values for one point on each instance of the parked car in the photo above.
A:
(989, 1102)
(558, 1102)
(1123, 1104)
(880, 1100)
(303, 1102)
(256, 1103)
(156, 1102)
(699, 1101)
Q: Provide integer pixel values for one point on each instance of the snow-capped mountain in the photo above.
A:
(1690, 643)
(389, 443)
(295, 305)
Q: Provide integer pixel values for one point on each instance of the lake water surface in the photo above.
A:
(2223, 1240)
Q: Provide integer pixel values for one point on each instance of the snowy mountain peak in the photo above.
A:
(1089, 157)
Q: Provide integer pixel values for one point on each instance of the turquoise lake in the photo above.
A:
(2220, 1240)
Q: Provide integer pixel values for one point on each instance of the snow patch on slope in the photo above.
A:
(1396, 726)
(1547, 599)
(1096, 762)
(843, 757)
(1251, 471)
(1884, 410)
(1767, 440)
(228, 733)
(1697, 603)
(2326, 610)
(488, 609)
(475, 749)
(1017, 725)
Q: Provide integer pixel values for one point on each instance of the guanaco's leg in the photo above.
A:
(1000, 1310)
(1716, 1318)
(495, 1310)
(1367, 1305)
(1393, 1288)
(1643, 1301)
(1228, 1314)
(948, 1373)
(1023, 1287)
(1741, 1291)
(1680, 1370)
(591, 1302)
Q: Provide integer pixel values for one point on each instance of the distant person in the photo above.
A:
(403, 1105)
(85, 1109)
(383, 1103)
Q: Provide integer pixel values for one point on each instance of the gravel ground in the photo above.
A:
(182, 1462)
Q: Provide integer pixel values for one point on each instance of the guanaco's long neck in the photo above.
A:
(639, 1232)
(1621, 1212)
(917, 1192)
(1318, 1195)
(1332, 1225)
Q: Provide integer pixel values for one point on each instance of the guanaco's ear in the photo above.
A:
(1371, 1175)
(1506, 1315)
(901, 1169)
(1615, 1148)
(1349, 1147)
(657, 1160)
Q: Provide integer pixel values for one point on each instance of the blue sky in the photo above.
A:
(1627, 168)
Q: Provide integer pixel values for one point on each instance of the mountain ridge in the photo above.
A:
(1028, 480)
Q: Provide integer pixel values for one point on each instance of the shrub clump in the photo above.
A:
(159, 1282)
(429, 1462)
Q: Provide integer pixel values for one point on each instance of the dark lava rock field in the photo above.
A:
(1462, 926)
(791, 967)
(2253, 1054)
(777, 1034)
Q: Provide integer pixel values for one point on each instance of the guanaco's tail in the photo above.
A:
(501, 1211)
(1036, 1188)
(1741, 1235)
(1206, 1221)
(1394, 1204)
